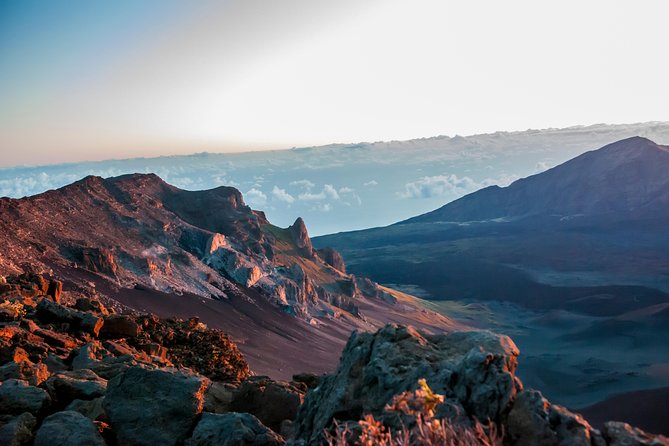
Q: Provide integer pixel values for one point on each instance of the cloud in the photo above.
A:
(255, 197)
(541, 166)
(302, 183)
(371, 183)
(328, 192)
(345, 190)
(439, 185)
(282, 195)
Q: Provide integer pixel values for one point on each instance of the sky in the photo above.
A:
(82, 80)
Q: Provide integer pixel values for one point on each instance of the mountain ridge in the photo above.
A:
(140, 241)
(606, 177)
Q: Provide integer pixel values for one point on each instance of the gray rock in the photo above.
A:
(68, 428)
(270, 401)
(94, 356)
(474, 370)
(91, 409)
(81, 384)
(533, 421)
(617, 433)
(232, 429)
(17, 397)
(218, 397)
(19, 431)
(149, 407)
(50, 311)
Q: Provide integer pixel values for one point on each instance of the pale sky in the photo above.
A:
(83, 80)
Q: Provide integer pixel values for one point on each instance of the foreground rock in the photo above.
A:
(232, 429)
(475, 370)
(271, 401)
(19, 430)
(535, 421)
(149, 407)
(68, 428)
(17, 397)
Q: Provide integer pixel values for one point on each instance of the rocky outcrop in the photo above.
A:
(298, 230)
(148, 407)
(68, 428)
(235, 265)
(332, 257)
(472, 374)
(98, 260)
(535, 421)
(232, 429)
(475, 370)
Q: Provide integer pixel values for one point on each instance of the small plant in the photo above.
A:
(424, 429)
(15, 310)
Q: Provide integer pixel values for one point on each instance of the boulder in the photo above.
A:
(17, 397)
(474, 370)
(55, 290)
(218, 397)
(95, 357)
(160, 406)
(18, 431)
(270, 401)
(80, 384)
(68, 428)
(618, 433)
(25, 370)
(50, 311)
(119, 326)
(90, 305)
(89, 408)
(534, 421)
(232, 429)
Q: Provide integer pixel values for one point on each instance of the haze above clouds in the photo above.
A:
(84, 80)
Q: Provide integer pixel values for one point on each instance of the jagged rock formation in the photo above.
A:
(137, 231)
(475, 371)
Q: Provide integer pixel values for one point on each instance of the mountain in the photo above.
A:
(342, 187)
(624, 179)
(141, 242)
(571, 262)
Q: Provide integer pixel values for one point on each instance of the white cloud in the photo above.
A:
(436, 186)
(302, 183)
(345, 190)
(282, 195)
(328, 192)
(370, 183)
(255, 197)
(541, 166)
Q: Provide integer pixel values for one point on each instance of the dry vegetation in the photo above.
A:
(422, 430)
